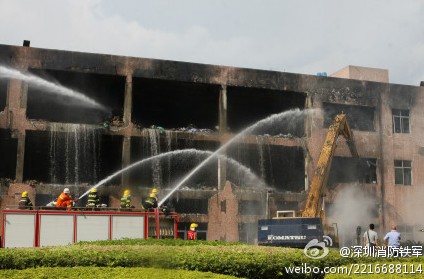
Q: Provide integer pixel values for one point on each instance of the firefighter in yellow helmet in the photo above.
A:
(192, 234)
(151, 202)
(25, 202)
(126, 199)
(93, 200)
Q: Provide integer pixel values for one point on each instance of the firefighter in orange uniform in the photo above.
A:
(192, 234)
(65, 199)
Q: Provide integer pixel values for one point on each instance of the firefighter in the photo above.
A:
(192, 234)
(25, 202)
(154, 196)
(165, 209)
(150, 202)
(93, 200)
(65, 199)
(126, 199)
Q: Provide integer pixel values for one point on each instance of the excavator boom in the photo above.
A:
(294, 231)
(319, 180)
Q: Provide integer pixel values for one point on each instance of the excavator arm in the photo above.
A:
(319, 180)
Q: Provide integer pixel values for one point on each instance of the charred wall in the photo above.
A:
(360, 118)
(402, 97)
(107, 90)
(348, 92)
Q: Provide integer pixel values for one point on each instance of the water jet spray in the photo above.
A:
(50, 86)
(246, 170)
(291, 114)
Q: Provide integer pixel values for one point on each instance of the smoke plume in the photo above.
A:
(352, 207)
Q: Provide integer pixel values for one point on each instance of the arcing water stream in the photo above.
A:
(250, 175)
(275, 119)
(49, 86)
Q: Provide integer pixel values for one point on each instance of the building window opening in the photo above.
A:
(403, 172)
(369, 170)
(224, 206)
(400, 121)
(349, 170)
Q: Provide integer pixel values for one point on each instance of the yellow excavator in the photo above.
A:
(296, 229)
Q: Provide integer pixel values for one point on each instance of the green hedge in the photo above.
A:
(107, 273)
(231, 259)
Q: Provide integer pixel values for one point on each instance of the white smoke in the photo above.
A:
(413, 216)
(352, 207)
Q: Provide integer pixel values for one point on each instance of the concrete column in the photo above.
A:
(223, 109)
(126, 143)
(308, 134)
(126, 156)
(385, 170)
(17, 103)
(222, 172)
(128, 100)
(24, 96)
(222, 164)
(20, 157)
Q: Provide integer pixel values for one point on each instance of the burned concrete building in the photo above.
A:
(150, 107)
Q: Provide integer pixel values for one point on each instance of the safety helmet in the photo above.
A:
(193, 225)
(94, 190)
(154, 190)
(126, 192)
(152, 195)
(66, 191)
(24, 194)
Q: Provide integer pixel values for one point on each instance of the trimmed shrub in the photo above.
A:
(239, 260)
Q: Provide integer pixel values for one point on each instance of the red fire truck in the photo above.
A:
(54, 227)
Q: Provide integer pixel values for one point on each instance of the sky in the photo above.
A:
(297, 36)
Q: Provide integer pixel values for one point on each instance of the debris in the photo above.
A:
(161, 129)
(117, 121)
(51, 204)
(193, 129)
